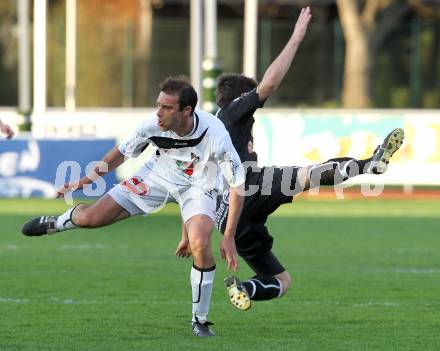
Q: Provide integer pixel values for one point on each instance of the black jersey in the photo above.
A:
(238, 118)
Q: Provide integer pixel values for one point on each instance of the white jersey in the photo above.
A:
(194, 159)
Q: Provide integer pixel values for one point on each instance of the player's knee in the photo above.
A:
(85, 218)
(201, 247)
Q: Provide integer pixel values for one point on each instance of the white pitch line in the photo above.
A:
(372, 303)
(13, 300)
(96, 246)
(406, 270)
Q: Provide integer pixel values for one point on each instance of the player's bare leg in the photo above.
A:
(199, 229)
(103, 212)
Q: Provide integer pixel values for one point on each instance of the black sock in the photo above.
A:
(337, 170)
(263, 287)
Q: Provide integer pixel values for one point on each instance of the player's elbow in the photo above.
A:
(265, 89)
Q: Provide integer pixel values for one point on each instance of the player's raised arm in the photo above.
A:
(6, 130)
(278, 69)
(133, 146)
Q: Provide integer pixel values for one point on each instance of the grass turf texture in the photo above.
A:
(366, 277)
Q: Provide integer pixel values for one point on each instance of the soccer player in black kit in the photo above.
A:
(238, 98)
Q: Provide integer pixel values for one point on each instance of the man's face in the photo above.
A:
(168, 115)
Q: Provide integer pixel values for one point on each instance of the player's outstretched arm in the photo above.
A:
(227, 245)
(233, 170)
(113, 159)
(278, 69)
(6, 130)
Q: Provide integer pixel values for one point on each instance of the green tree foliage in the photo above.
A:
(369, 28)
(126, 47)
(114, 45)
(99, 43)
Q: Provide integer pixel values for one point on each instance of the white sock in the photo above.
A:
(64, 221)
(202, 280)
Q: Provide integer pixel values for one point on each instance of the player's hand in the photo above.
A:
(7, 130)
(228, 251)
(183, 249)
(302, 23)
(67, 188)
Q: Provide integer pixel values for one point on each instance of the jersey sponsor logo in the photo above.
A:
(170, 143)
(135, 185)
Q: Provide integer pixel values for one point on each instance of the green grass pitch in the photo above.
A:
(366, 277)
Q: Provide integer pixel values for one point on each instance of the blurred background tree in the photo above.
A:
(357, 53)
(8, 54)
(367, 25)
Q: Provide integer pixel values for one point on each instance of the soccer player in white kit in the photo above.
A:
(191, 150)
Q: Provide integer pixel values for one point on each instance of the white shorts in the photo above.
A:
(142, 195)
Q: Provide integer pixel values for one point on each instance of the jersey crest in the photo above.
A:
(188, 167)
(135, 185)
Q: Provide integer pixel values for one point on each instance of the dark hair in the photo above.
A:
(180, 85)
(231, 85)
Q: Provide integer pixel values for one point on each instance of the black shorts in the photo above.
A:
(269, 196)
(253, 241)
